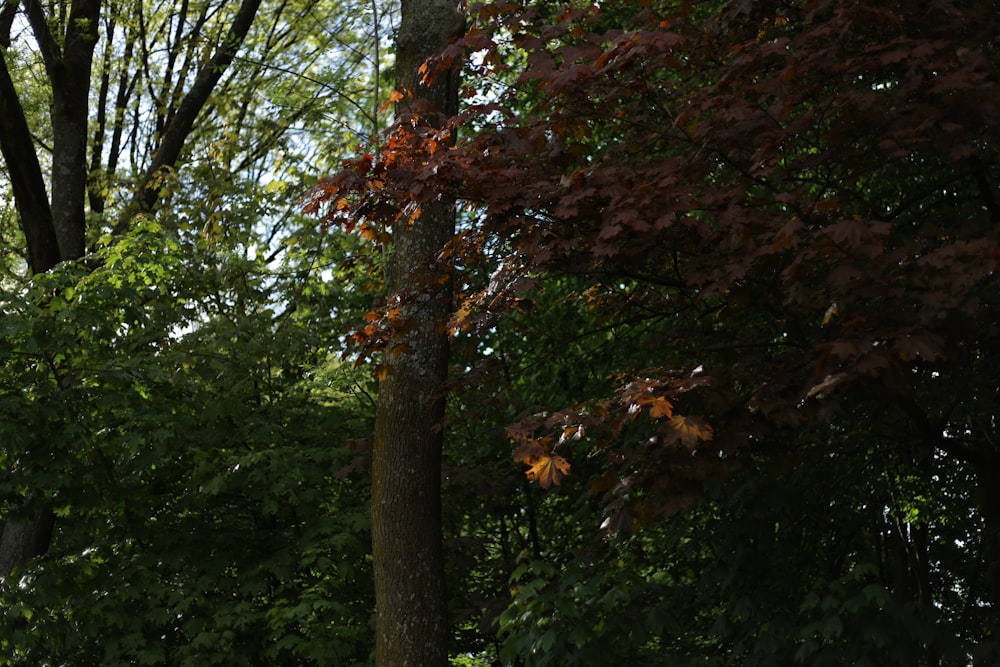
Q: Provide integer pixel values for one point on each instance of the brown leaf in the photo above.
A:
(528, 451)
(661, 408)
(828, 382)
(394, 97)
(547, 470)
(691, 429)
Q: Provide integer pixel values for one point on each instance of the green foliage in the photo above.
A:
(786, 565)
(778, 220)
(597, 613)
(189, 441)
(177, 397)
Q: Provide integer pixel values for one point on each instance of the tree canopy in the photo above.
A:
(178, 432)
(686, 312)
(787, 216)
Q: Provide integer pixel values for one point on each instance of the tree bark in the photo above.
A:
(27, 183)
(412, 625)
(54, 231)
(68, 68)
(24, 539)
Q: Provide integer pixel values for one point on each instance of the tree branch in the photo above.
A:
(180, 125)
(43, 35)
(7, 14)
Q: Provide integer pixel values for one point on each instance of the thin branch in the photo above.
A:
(177, 131)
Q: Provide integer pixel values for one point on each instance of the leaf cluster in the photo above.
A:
(781, 221)
(189, 440)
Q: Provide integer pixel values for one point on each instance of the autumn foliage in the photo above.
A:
(799, 200)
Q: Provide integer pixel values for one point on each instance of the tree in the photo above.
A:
(204, 483)
(171, 393)
(799, 203)
(412, 622)
(121, 136)
(57, 232)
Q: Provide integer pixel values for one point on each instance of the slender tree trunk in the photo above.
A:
(412, 626)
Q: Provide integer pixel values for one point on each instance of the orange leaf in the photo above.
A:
(661, 408)
(463, 313)
(394, 97)
(831, 313)
(691, 429)
(547, 470)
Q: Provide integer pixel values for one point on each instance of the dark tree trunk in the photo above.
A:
(27, 183)
(24, 539)
(69, 72)
(55, 229)
(412, 625)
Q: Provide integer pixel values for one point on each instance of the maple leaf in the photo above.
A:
(394, 97)
(691, 429)
(661, 408)
(571, 433)
(529, 449)
(459, 321)
(547, 470)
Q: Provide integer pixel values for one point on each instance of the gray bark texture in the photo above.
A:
(412, 627)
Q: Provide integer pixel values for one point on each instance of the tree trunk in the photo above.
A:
(26, 181)
(69, 72)
(412, 625)
(24, 539)
(55, 229)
